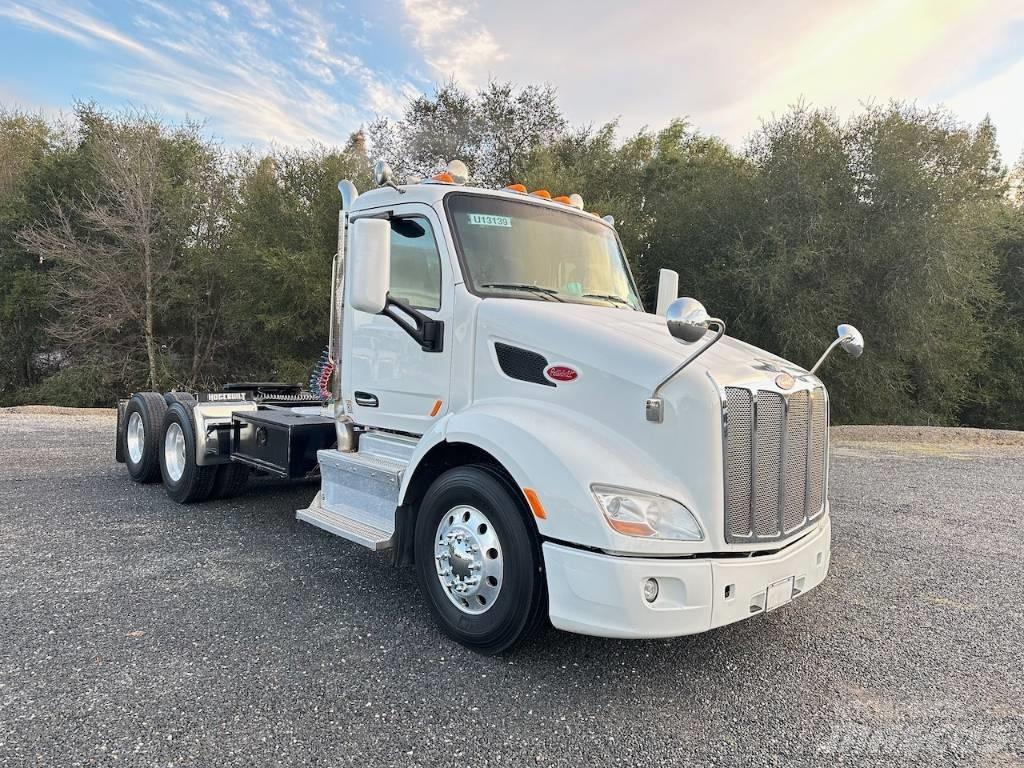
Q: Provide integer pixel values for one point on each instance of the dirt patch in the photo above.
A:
(947, 441)
(55, 410)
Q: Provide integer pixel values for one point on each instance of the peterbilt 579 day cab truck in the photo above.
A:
(497, 408)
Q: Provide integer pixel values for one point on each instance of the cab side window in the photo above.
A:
(415, 263)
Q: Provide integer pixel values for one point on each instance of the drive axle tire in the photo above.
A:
(184, 480)
(230, 480)
(139, 435)
(478, 559)
(179, 397)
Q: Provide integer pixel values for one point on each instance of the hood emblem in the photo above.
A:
(784, 381)
(561, 373)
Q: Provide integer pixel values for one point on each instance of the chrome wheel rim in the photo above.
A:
(468, 558)
(136, 437)
(174, 452)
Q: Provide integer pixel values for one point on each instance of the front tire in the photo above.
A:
(139, 435)
(184, 480)
(478, 560)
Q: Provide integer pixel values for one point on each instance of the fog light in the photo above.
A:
(651, 590)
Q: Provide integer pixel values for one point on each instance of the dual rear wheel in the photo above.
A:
(157, 439)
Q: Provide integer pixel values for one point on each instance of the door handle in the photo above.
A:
(366, 399)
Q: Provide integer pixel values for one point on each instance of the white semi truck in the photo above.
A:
(497, 408)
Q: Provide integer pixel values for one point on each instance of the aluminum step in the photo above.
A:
(358, 497)
(348, 528)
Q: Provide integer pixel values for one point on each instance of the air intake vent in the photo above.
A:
(522, 364)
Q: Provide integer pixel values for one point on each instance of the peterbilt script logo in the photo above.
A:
(561, 373)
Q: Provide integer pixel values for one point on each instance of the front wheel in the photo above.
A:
(478, 560)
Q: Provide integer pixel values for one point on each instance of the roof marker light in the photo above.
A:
(576, 201)
(444, 178)
(516, 188)
(541, 193)
(563, 199)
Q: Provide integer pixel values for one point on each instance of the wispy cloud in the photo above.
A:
(454, 43)
(292, 71)
(283, 77)
(29, 18)
(726, 66)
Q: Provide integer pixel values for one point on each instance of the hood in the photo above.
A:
(635, 345)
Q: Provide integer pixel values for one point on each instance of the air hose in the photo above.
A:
(320, 380)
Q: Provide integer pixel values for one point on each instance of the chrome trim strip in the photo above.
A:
(783, 446)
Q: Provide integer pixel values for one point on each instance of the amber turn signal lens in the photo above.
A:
(535, 506)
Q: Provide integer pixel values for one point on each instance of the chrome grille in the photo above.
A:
(775, 454)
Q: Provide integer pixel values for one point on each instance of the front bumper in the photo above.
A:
(597, 594)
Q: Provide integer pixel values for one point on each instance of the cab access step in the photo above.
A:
(359, 491)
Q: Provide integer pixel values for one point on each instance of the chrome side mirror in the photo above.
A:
(849, 338)
(383, 176)
(687, 319)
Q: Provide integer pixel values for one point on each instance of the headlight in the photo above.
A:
(646, 515)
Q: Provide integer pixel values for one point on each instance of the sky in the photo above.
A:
(290, 72)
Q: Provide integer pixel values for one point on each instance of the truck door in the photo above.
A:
(388, 381)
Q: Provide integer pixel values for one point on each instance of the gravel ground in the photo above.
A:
(137, 632)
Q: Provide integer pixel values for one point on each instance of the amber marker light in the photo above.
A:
(542, 193)
(535, 506)
(436, 408)
(516, 188)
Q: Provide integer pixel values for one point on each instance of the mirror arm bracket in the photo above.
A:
(827, 352)
(425, 331)
(655, 406)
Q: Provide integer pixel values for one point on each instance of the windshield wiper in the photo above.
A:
(549, 292)
(608, 297)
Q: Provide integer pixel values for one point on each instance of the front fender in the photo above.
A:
(559, 454)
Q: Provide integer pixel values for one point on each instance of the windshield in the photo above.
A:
(513, 248)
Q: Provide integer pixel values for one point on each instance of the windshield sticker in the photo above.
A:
(488, 220)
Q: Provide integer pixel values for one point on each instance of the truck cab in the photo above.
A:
(504, 416)
(534, 442)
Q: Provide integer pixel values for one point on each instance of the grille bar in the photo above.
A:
(775, 461)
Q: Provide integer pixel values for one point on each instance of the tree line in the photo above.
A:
(137, 253)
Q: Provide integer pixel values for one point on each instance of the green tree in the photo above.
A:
(26, 141)
(997, 397)
(283, 234)
(495, 131)
(117, 244)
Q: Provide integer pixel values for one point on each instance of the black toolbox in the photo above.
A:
(279, 440)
